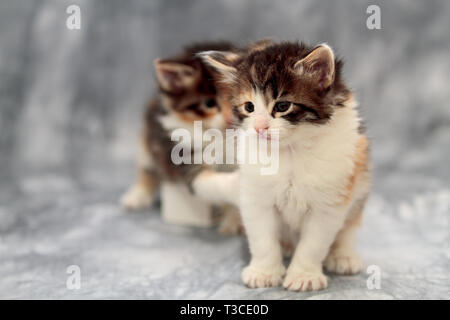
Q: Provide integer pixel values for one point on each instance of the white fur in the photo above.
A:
(218, 188)
(305, 198)
(180, 207)
(306, 195)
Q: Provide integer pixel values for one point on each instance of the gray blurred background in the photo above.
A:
(70, 107)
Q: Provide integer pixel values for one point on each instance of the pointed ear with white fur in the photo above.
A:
(319, 66)
(221, 62)
(173, 76)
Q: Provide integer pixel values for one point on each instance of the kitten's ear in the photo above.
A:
(319, 66)
(173, 76)
(222, 62)
(260, 45)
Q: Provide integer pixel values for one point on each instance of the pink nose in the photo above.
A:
(261, 125)
(261, 129)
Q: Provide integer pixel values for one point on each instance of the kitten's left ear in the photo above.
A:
(260, 45)
(174, 76)
(319, 66)
(222, 62)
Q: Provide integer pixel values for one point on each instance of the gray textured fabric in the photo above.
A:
(70, 103)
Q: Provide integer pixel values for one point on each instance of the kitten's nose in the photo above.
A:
(261, 125)
(261, 130)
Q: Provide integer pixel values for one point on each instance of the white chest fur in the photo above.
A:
(314, 167)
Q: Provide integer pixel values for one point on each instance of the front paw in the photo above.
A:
(305, 281)
(137, 198)
(343, 264)
(201, 182)
(263, 277)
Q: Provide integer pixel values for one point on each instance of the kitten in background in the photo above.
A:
(187, 93)
(317, 197)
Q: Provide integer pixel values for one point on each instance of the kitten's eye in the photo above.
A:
(282, 106)
(193, 106)
(249, 107)
(210, 103)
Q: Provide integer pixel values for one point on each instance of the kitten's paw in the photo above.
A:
(202, 182)
(257, 277)
(305, 281)
(137, 198)
(343, 264)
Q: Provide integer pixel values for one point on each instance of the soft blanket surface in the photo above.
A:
(70, 107)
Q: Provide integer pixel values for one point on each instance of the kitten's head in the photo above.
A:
(187, 86)
(287, 86)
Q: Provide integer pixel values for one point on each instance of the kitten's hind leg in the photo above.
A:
(342, 258)
(143, 193)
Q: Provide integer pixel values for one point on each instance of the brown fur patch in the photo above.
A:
(190, 99)
(260, 45)
(271, 71)
(361, 165)
(287, 246)
(225, 105)
(355, 218)
(190, 117)
(160, 146)
(148, 179)
(183, 103)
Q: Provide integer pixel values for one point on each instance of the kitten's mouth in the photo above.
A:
(229, 122)
(264, 135)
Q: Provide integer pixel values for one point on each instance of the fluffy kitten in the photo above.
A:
(187, 93)
(317, 196)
